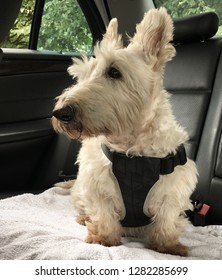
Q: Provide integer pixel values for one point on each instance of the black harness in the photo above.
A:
(136, 176)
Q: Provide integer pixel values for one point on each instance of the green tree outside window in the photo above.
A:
(18, 36)
(181, 8)
(63, 27)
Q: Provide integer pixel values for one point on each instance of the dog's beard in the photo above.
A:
(77, 131)
(72, 130)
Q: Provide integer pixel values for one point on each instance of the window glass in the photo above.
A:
(18, 36)
(181, 8)
(64, 28)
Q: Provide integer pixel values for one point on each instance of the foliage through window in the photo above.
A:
(64, 28)
(18, 36)
(181, 8)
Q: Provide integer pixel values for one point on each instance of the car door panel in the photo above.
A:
(29, 82)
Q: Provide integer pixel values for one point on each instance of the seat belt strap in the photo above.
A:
(70, 169)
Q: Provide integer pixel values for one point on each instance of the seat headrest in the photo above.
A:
(195, 28)
(8, 13)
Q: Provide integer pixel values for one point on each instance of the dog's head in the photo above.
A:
(116, 88)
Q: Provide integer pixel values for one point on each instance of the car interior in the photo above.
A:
(34, 157)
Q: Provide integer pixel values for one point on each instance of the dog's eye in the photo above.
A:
(114, 73)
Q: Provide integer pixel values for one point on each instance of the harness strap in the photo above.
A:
(167, 164)
(136, 176)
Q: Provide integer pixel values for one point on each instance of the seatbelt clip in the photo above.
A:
(204, 209)
(201, 211)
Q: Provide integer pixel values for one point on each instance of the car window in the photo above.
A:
(181, 8)
(18, 37)
(63, 28)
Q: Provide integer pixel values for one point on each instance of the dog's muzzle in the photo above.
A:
(65, 114)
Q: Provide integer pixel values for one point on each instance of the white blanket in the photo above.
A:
(43, 227)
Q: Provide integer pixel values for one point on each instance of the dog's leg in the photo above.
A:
(164, 236)
(166, 203)
(166, 228)
(104, 227)
(107, 233)
(167, 224)
(99, 210)
(96, 196)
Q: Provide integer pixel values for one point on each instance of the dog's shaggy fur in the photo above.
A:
(119, 100)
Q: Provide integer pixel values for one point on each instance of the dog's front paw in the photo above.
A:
(82, 219)
(173, 249)
(102, 240)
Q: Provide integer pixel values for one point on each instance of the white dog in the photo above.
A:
(134, 178)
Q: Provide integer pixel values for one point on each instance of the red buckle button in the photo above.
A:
(204, 209)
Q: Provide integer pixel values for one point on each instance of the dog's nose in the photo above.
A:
(65, 114)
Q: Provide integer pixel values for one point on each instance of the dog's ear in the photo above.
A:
(153, 36)
(111, 36)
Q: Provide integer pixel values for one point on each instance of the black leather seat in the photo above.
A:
(194, 79)
(209, 156)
